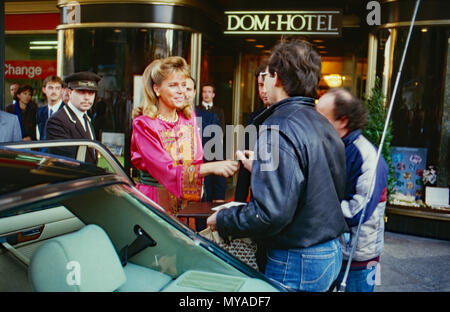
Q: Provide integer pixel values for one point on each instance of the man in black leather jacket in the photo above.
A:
(297, 178)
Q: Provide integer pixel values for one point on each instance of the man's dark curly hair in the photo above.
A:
(261, 68)
(348, 105)
(208, 84)
(298, 66)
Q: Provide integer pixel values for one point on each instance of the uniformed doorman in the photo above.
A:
(72, 122)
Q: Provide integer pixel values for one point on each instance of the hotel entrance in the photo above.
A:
(231, 62)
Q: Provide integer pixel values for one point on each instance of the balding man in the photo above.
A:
(348, 116)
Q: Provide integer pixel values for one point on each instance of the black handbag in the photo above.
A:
(243, 249)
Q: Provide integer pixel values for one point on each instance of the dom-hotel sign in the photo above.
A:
(316, 22)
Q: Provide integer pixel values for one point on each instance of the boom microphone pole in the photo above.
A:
(380, 147)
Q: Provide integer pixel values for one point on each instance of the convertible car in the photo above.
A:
(66, 225)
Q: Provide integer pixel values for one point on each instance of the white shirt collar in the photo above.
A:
(77, 112)
(207, 105)
(55, 107)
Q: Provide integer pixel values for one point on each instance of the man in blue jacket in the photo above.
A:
(348, 116)
(53, 90)
(9, 128)
(297, 178)
(208, 119)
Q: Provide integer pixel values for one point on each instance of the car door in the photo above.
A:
(22, 234)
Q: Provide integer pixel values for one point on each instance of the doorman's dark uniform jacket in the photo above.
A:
(64, 124)
(298, 203)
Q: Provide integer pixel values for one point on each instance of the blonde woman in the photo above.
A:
(165, 145)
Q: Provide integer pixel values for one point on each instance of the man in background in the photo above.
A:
(65, 95)
(191, 89)
(208, 95)
(214, 186)
(261, 92)
(242, 191)
(12, 90)
(52, 88)
(348, 116)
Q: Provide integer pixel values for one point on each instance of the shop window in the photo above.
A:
(419, 102)
(29, 59)
(417, 114)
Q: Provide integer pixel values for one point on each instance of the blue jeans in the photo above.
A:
(359, 279)
(308, 269)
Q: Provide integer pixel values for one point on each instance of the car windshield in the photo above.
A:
(120, 208)
(27, 169)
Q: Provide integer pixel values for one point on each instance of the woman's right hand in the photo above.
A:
(224, 168)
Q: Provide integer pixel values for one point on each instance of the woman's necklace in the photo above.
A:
(167, 119)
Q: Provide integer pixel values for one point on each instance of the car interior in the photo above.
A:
(107, 239)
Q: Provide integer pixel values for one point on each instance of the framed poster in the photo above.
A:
(115, 141)
(437, 197)
(409, 164)
(138, 89)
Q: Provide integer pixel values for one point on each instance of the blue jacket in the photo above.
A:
(9, 128)
(215, 186)
(41, 119)
(207, 118)
(360, 159)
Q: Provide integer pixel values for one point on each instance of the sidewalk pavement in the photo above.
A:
(414, 264)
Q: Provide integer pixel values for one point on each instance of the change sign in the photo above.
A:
(317, 22)
(29, 69)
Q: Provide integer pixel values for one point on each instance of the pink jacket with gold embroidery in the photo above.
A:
(171, 153)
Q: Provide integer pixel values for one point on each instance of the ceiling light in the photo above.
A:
(424, 30)
(250, 40)
(43, 48)
(260, 46)
(333, 80)
(44, 42)
(321, 47)
(317, 40)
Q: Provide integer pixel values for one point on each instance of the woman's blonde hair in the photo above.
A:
(154, 74)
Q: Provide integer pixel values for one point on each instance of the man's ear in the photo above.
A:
(277, 80)
(342, 122)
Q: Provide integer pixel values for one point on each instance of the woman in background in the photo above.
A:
(25, 110)
(165, 145)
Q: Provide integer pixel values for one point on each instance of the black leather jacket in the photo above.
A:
(296, 203)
